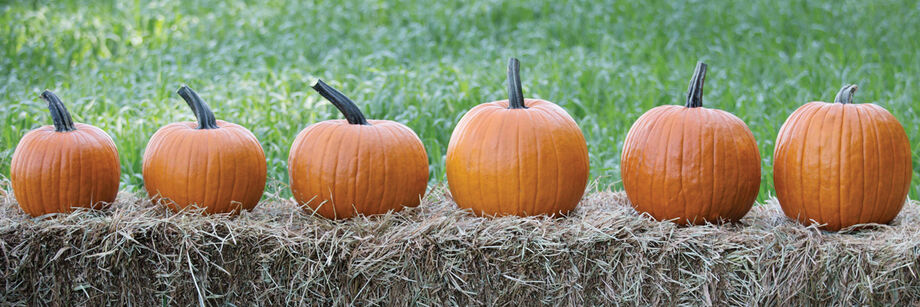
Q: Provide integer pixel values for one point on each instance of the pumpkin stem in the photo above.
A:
(845, 95)
(59, 114)
(202, 112)
(348, 108)
(515, 93)
(695, 91)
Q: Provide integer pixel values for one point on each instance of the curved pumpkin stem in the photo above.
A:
(845, 95)
(348, 108)
(59, 114)
(515, 93)
(201, 109)
(695, 91)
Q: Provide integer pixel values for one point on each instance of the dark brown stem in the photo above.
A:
(59, 114)
(845, 95)
(348, 108)
(695, 91)
(515, 93)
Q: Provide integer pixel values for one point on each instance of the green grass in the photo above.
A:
(117, 65)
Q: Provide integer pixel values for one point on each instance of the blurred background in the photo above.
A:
(117, 65)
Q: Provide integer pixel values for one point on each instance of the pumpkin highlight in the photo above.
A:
(841, 164)
(57, 168)
(691, 164)
(342, 168)
(216, 165)
(517, 157)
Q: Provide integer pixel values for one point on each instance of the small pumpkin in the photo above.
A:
(64, 166)
(689, 163)
(517, 157)
(842, 163)
(216, 165)
(341, 168)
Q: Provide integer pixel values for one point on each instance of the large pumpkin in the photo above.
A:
(689, 163)
(340, 168)
(842, 163)
(56, 168)
(517, 156)
(213, 164)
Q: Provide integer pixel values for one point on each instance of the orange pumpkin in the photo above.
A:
(56, 168)
(691, 164)
(841, 164)
(213, 164)
(517, 156)
(340, 168)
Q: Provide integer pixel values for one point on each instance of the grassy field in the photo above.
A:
(117, 65)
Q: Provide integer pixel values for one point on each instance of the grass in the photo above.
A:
(117, 65)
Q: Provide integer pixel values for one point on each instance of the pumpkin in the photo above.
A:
(341, 168)
(518, 156)
(216, 165)
(691, 164)
(841, 164)
(67, 165)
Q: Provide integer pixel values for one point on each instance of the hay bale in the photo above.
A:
(603, 253)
